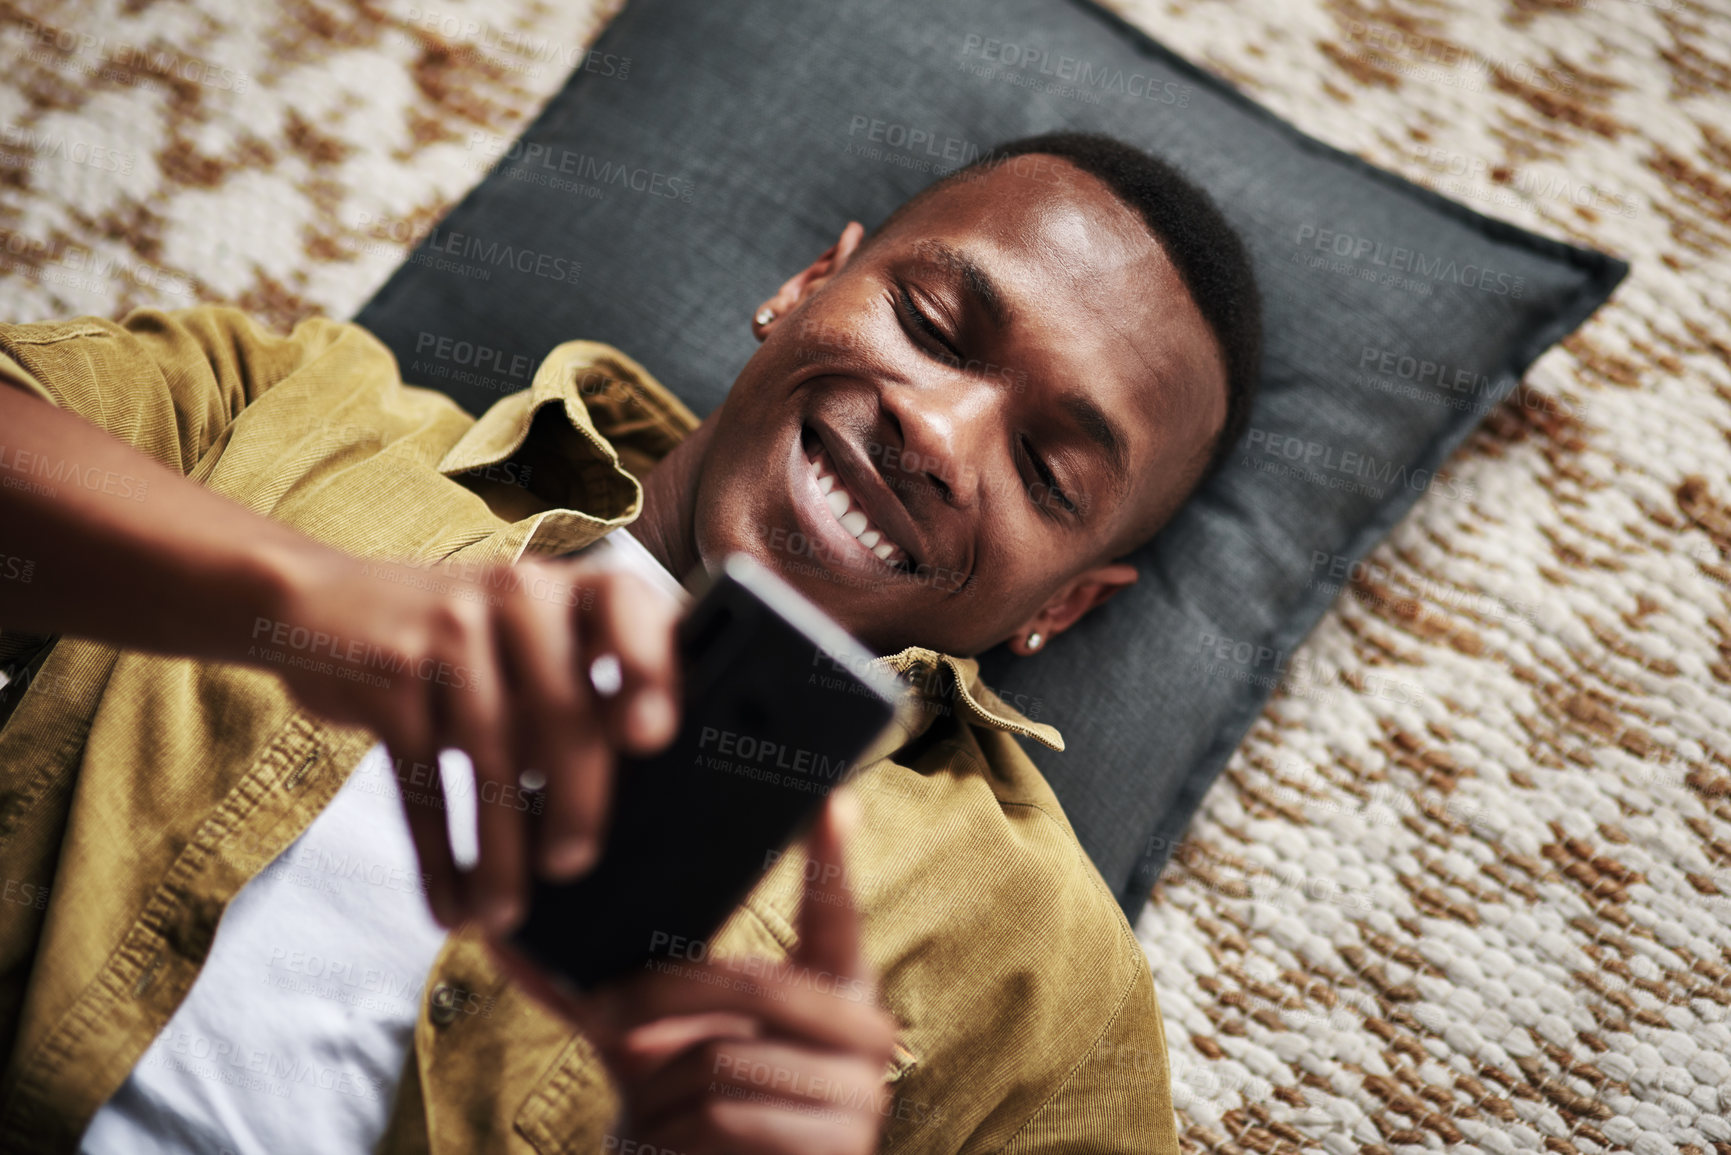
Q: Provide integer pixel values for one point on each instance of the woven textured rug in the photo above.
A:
(1468, 882)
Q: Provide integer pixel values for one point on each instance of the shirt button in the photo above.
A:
(442, 1005)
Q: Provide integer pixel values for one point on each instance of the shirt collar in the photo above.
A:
(623, 420)
(941, 679)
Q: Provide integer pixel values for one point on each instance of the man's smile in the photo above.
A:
(843, 502)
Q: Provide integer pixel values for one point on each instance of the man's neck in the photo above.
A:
(667, 525)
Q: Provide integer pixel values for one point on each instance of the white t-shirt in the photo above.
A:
(296, 1030)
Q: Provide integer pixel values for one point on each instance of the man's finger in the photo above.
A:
(557, 734)
(733, 1125)
(573, 822)
(423, 796)
(798, 1002)
(632, 624)
(765, 1069)
(639, 1056)
(495, 888)
(829, 934)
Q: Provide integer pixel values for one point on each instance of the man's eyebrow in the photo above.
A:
(975, 280)
(1102, 431)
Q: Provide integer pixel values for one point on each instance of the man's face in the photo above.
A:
(1006, 385)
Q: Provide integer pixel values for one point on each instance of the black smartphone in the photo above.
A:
(778, 704)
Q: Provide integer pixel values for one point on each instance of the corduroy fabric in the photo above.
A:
(138, 792)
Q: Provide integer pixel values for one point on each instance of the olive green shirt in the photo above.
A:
(139, 793)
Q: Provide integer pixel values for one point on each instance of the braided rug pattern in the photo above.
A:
(1467, 884)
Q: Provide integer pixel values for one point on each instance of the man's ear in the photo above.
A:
(1066, 607)
(807, 280)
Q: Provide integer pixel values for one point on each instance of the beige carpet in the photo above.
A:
(1468, 884)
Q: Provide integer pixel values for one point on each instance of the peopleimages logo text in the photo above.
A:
(570, 162)
(1087, 76)
(1373, 474)
(764, 752)
(1404, 260)
(468, 246)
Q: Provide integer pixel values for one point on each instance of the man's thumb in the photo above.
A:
(828, 924)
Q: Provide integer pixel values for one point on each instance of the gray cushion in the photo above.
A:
(654, 206)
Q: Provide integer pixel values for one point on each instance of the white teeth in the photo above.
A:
(841, 506)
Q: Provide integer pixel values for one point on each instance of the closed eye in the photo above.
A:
(924, 324)
(1048, 480)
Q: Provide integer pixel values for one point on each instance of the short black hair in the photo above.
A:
(1206, 250)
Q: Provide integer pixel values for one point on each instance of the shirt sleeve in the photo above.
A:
(166, 383)
(1118, 1099)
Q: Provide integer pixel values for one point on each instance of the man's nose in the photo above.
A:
(944, 429)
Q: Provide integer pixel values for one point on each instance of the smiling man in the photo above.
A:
(277, 585)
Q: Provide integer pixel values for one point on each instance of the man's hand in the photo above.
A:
(496, 664)
(769, 1059)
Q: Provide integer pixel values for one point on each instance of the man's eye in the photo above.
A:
(1049, 480)
(924, 323)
